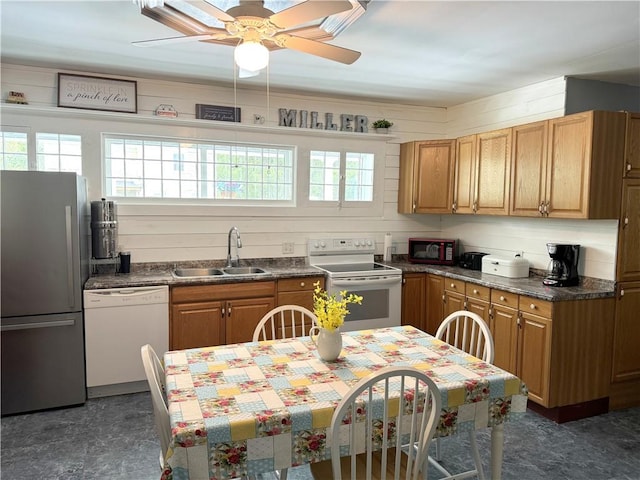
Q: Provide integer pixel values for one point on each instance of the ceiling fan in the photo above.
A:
(251, 26)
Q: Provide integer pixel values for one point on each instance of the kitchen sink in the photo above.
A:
(197, 272)
(243, 270)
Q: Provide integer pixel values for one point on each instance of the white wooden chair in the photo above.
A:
(154, 372)
(468, 332)
(286, 321)
(385, 457)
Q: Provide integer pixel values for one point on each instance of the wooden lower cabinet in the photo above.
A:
(503, 323)
(534, 355)
(626, 354)
(197, 324)
(560, 350)
(434, 303)
(207, 315)
(477, 300)
(243, 315)
(413, 299)
(453, 296)
(298, 291)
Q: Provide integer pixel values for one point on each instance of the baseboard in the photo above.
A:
(117, 389)
(570, 413)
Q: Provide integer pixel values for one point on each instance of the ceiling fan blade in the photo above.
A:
(307, 11)
(212, 10)
(320, 49)
(186, 38)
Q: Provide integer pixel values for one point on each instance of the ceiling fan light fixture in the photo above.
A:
(149, 3)
(251, 56)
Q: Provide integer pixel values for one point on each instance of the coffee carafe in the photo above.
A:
(563, 267)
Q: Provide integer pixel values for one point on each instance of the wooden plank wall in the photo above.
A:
(154, 234)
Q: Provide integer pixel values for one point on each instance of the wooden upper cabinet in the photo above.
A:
(628, 263)
(585, 165)
(528, 169)
(465, 168)
(492, 177)
(632, 146)
(426, 176)
(483, 163)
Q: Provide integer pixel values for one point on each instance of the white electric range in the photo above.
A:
(348, 263)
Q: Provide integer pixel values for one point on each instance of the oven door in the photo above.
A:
(381, 301)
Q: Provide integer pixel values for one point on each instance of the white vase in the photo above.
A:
(327, 342)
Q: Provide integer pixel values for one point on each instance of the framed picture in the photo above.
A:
(97, 93)
(217, 112)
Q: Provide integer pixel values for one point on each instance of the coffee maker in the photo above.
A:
(563, 268)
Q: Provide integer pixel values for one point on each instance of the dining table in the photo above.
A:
(249, 408)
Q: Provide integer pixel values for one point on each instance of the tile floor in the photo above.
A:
(112, 438)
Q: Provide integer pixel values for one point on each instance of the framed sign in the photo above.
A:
(217, 112)
(97, 93)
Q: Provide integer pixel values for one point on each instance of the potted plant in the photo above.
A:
(382, 126)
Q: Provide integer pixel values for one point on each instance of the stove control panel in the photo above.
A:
(333, 246)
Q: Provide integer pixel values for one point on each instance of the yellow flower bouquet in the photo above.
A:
(329, 309)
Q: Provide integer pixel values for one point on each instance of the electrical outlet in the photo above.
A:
(287, 247)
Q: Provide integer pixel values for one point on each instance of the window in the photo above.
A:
(327, 169)
(54, 152)
(186, 169)
(58, 153)
(14, 151)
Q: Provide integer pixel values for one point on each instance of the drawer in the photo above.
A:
(535, 306)
(507, 299)
(299, 284)
(477, 291)
(228, 291)
(452, 285)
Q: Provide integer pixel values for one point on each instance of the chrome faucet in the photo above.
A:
(230, 262)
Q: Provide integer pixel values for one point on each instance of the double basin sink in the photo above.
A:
(213, 272)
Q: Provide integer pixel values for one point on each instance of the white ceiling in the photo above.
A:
(414, 52)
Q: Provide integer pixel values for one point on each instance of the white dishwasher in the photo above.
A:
(117, 323)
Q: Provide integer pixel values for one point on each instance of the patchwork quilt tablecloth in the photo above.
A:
(256, 407)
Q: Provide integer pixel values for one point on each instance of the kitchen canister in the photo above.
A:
(104, 229)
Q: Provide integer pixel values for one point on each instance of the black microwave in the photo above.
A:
(434, 251)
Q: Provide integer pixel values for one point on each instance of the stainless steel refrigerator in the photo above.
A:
(44, 264)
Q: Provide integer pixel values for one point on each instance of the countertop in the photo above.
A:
(160, 274)
(532, 286)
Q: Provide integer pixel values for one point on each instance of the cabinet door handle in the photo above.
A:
(541, 208)
(229, 312)
(302, 284)
(519, 322)
(454, 207)
(532, 306)
(223, 312)
(628, 167)
(502, 298)
(453, 285)
(475, 291)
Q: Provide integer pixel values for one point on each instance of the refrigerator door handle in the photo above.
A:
(29, 326)
(69, 235)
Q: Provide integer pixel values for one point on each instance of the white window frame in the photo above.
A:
(199, 145)
(33, 155)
